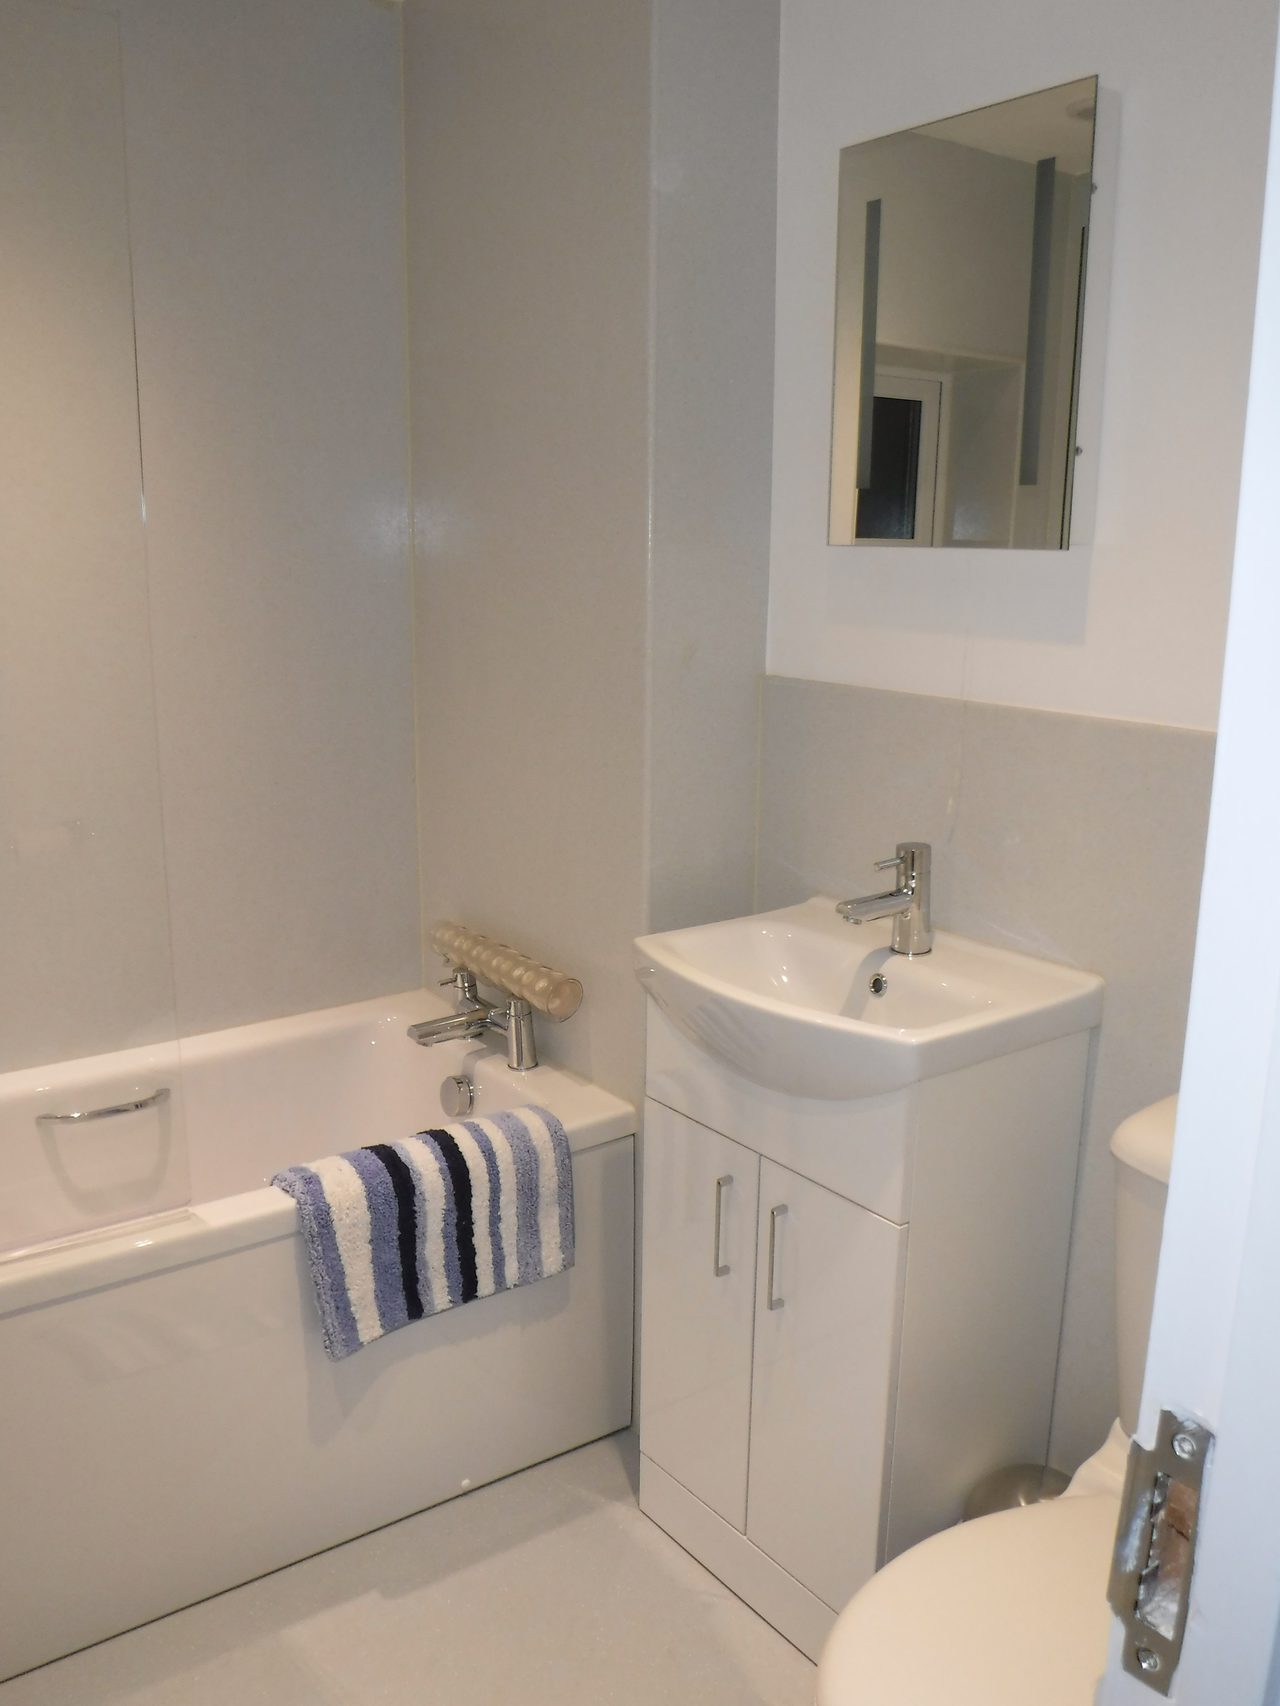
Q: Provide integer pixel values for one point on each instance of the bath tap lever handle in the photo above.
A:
(132, 1107)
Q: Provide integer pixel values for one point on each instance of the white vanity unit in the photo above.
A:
(859, 1172)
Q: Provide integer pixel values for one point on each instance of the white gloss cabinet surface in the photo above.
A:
(697, 1303)
(920, 1265)
(822, 1382)
(168, 1419)
(994, 1174)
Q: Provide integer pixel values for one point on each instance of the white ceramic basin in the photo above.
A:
(785, 998)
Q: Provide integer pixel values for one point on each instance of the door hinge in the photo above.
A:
(1156, 1546)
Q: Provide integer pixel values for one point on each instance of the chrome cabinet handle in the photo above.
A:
(719, 1268)
(156, 1096)
(775, 1214)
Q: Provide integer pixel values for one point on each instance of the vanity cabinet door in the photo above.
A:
(826, 1334)
(696, 1304)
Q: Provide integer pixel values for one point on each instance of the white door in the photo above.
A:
(826, 1342)
(697, 1298)
(1215, 1342)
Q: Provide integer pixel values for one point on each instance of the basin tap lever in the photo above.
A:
(907, 904)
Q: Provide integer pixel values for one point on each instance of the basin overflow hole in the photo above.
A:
(879, 983)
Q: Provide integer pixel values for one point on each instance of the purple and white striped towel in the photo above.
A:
(402, 1230)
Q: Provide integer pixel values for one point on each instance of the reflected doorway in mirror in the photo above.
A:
(899, 504)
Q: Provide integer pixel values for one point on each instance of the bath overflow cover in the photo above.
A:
(879, 983)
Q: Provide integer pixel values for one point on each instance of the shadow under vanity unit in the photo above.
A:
(852, 1297)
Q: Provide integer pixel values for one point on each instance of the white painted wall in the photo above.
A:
(1131, 625)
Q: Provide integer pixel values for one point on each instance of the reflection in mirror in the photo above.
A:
(959, 304)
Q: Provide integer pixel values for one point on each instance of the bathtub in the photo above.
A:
(169, 1423)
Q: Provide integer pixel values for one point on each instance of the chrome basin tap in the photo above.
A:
(907, 903)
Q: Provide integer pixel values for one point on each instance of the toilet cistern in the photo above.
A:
(907, 904)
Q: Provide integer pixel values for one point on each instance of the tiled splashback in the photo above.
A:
(1075, 838)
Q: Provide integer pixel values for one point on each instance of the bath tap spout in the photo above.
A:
(470, 1023)
(513, 1022)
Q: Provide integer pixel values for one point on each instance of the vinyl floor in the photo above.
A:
(546, 1589)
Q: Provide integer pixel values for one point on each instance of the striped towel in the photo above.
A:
(402, 1230)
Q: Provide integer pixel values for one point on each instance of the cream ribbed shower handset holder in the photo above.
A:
(549, 991)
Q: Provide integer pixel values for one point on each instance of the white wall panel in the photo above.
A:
(266, 203)
(83, 905)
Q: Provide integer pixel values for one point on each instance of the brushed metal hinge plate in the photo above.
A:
(1155, 1547)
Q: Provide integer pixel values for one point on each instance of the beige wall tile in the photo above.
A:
(1075, 838)
(1082, 840)
(847, 772)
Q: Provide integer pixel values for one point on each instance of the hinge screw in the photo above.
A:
(1184, 1446)
(1148, 1660)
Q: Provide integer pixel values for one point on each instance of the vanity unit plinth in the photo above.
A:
(851, 1310)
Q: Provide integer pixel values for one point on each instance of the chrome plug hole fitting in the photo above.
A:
(457, 1096)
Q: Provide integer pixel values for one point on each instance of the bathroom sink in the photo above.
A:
(799, 1001)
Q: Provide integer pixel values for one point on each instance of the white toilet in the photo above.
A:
(1012, 1608)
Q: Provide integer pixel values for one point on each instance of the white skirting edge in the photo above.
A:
(765, 1586)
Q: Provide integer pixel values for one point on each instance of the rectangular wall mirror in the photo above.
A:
(962, 248)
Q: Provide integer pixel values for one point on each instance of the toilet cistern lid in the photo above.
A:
(1145, 1140)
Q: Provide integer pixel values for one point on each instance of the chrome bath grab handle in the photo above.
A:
(775, 1215)
(719, 1268)
(156, 1096)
